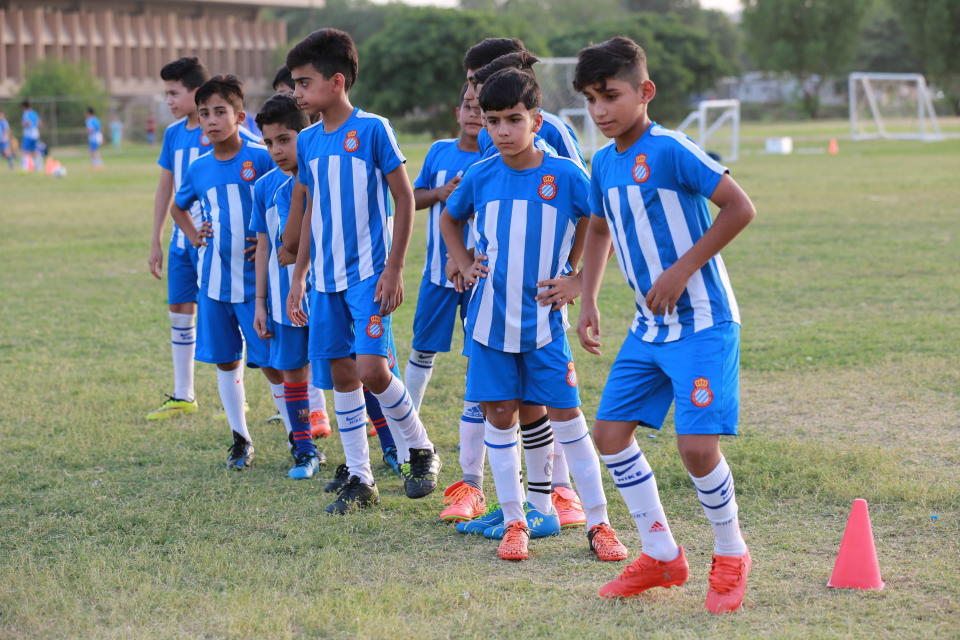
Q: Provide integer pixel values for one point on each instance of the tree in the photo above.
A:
(882, 44)
(811, 39)
(73, 83)
(933, 33)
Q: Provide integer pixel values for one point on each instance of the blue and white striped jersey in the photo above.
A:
(525, 224)
(445, 161)
(271, 206)
(654, 197)
(555, 136)
(30, 122)
(94, 133)
(181, 146)
(352, 216)
(224, 189)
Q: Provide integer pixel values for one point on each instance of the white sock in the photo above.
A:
(233, 397)
(402, 416)
(505, 465)
(276, 390)
(316, 398)
(716, 494)
(538, 453)
(561, 472)
(183, 343)
(472, 451)
(634, 479)
(584, 466)
(417, 374)
(352, 425)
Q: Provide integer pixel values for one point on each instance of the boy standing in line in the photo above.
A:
(649, 193)
(94, 137)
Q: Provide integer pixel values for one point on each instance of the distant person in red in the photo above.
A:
(151, 130)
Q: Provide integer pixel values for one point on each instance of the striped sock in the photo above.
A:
(716, 493)
(375, 413)
(472, 451)
(417, 374)
(402, 416)
(352, 424)
(297, 400)
(538, 453)
(505, 466)
(584, 466)
(183, 342)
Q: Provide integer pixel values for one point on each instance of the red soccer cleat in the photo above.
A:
(465, 501)
(645, 573)
(319, 424)
(604, 542)
(728, 582)
(568, 506)
(514, 543)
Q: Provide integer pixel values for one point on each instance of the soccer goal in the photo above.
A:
(555, 77)
(892, 106)
(717, 127)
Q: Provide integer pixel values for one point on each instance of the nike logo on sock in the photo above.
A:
(617, 474)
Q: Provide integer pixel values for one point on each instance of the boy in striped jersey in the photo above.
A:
(649, 194)
(349, 161)
(527, 205)
(222, 182)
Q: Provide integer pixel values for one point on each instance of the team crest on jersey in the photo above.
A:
(351, 143)
(548, 188)
(571, 374)
(375, 327)
(204, 140)
(702, 394)
(247, 172)
(641, 170)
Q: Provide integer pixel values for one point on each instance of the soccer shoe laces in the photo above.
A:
(725, 575)
(604, 540)
(560, 502)
(421, 465)
(460, 493)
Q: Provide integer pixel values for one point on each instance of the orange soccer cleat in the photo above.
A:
(319, 424)
(568, 506)
(514, 543)
(728, 582)
(465, 501)
(604, 542)
(645, 573)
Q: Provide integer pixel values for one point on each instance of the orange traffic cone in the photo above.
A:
(833, 148)
(857, 566)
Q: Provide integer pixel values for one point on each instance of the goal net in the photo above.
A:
(715, 127)
(892, 106)
(555, 77)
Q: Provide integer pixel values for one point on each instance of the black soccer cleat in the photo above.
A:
(424, 469)
(340, 478)
(354, 495)
(241, 453)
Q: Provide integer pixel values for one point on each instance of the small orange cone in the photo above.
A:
(857, 566)
(833, 148)
(50, 166)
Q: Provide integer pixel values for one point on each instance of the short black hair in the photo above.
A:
(619, 57)
(282, 109)
(523, 60)
(91, 111)
(227, 87)
(329, 51)
(25, 104)
(283, 77)
(510, 87)
(488, 50)
(188, 71)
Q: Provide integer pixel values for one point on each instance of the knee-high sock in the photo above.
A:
(417, 374)
(297, 401)
(472, 451)
(278, 391)
(505, 465)
(352, 425)
(233, 397)
(317, 400)
(375, 413)
(584, 466)
(402, 416)
(716, 493)
(183, 343)
(637, 485)
(561, 472)
(538, 454)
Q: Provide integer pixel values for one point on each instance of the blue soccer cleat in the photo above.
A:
(541, 525)
(478, 525)
(305, 466)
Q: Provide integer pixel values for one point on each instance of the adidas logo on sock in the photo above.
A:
(656, 527)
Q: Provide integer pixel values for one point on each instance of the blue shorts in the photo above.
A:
(320, 368)
(94, 145)
(288, 347)
(221, 330)
(29, 145)
(348, 322)
(436, 316)
(700, 373)
(182, 274)
(542, 377)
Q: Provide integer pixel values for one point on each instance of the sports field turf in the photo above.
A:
(112, 527)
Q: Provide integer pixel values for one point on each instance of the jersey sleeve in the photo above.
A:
(166, 152)
(304, 176)
(461, 203)
(580, 197)
(564, 140)
(386, 151)
(596, 191)
(258, 219)
(187, 194)
(696, 171)
(425, 177)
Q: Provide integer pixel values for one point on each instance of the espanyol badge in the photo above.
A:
(351, 143)
(548, 188)
(641, 170)
(247, 172)
(204, 140)
(375, 327)
(571, 374)
(702, 394)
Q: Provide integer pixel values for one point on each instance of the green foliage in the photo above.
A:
(72, 83)
(803, 37)
(882, 44)
(933, 30)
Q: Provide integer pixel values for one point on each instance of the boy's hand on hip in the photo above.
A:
(251, 249)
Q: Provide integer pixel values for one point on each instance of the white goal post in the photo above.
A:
(723, 112)
(897, 105)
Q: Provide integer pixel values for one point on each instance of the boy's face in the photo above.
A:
(616, 106)
(283, 89)
(473, 91)
(512, 130)
(179, 99)
(469, 118)
(218, 119)
(314, 92)
(281, 142)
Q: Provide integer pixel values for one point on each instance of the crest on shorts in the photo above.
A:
(641, 170)
(702, 394)
(247, 172)
(375, 327)
(571, 374)
(548, 188)
(351, 143)
(204, 140)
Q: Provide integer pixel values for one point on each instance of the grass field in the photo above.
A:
(111, 527)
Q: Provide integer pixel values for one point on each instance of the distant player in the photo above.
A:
(527, 205)
(283, 81)
(30, 144)
(649, 194)
(222, 181)
(348, 161)
(6, 140)
(94, 137)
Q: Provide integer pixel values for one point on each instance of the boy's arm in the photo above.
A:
(260, 267)
(736, 212)
(565, 289)
(298, 280)
(426, 198)
(161, 202)
(287, 253)
(595, 255)
(390, 286)
(196, 237)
